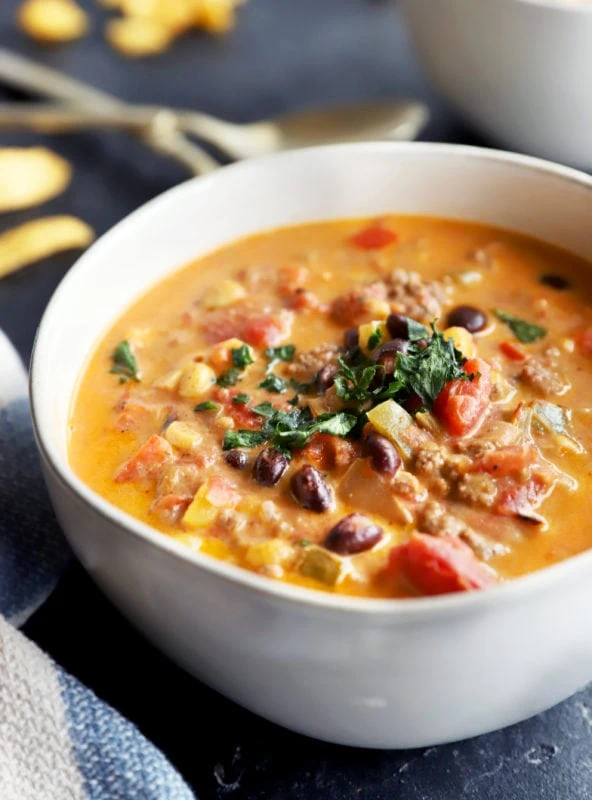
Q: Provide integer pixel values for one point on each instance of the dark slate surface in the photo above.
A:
(286, 53)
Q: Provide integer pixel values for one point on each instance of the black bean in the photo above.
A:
(555, 281)
(397, 326)
(326, 377)
(386, 354)
(384, 456)
(269, 466)
(310, 490)
(353, 534)
(237, 459)
(351, 338)
(473, 319)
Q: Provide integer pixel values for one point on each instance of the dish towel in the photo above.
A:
(58, 741)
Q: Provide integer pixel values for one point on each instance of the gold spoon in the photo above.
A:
(91, 108)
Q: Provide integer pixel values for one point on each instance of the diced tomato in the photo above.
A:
(303, 300)
(328, 452)
(584, 340)
(221, 493)
(152, 455)
(374, 237)
(242, 415)
(513, 351)
(439, 565)
(521, 498)
(506, 461)
(291, 276)
(244, 418)
(268, 331)
(461, 405)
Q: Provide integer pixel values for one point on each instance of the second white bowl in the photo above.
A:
(520, 70)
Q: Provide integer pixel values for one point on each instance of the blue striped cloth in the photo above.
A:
(58, 741)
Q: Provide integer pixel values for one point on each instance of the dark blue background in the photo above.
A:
(284, 54)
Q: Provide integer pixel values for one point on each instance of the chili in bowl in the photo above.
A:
(317, 461)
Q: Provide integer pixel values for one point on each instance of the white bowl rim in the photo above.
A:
(395, 608)
(559, 5)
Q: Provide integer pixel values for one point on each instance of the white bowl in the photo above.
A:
(520, 70)
(374, 673)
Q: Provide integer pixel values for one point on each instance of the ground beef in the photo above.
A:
(179, 479)
(478, 489)
(407, 486)
(440, 468)
(436, 520)
(409, 294)
(537, 374)
(307, 364)
(361, 304)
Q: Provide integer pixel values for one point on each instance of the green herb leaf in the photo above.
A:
(524, 331)
(229, 378)
(374, 339)
(421, 371)
(207, 405)
(424, 371)
(234, 439)
(352, 383)
(288, 430)
(416, 331)
(284, 353)
(240, 399)
(264, 409)
(273, 383)
(124, 362)
(306, 388)
(241, 356)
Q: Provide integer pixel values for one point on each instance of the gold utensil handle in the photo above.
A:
(26, 74)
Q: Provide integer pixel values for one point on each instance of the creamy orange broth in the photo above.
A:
(476, 265)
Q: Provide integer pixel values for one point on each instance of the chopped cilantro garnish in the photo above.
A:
(416, 331)
(284, 353)
(524, 331)
(263, 409)
(420, 371)
(374, 339)
(234, 439)
(241, 356)
(207, 405)
(124, 362)
(229, 378)
(353, 382)
(240, 399)
(306, 388)
(273, 383)
(287, 430)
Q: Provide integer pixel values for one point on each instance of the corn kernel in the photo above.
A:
(170, 380)
(273, 551)
(379, 309)
(201, 513)
(376, 329)
(462, 339)
(183, 436)
(224, 423)
(568, 345)
(196, 380)
(221, 355)
(224, 293)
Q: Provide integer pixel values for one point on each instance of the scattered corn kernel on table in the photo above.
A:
(281, 55)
